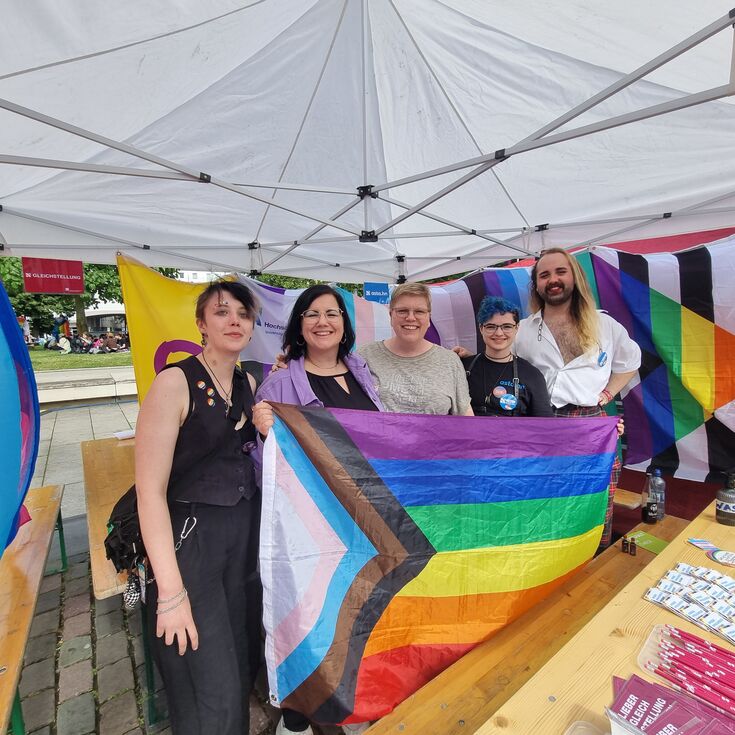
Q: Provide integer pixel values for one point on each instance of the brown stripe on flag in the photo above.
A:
(321, 684)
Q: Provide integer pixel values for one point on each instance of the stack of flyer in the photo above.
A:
(701, 595)
(702, 701)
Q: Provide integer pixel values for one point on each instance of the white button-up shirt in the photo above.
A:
(580, 381)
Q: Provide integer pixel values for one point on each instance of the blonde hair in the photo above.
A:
(410, 289)
(582, 308)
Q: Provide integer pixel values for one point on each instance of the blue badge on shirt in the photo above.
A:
(508, 402)
(602, 358)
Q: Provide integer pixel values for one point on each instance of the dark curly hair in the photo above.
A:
(291, 347)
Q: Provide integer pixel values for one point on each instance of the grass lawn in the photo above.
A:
(51, 360)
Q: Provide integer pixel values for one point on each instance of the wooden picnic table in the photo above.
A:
(576, 684)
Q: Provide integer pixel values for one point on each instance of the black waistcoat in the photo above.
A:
(211, 461)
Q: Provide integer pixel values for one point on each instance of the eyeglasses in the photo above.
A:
(492, 328)
(312, 315)
(404, 313)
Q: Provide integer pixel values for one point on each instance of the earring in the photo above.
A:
(343, 340)
(204, 340)
(302, 343)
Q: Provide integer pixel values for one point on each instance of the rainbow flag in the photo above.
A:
(19, 422)
(392, 544)
(680, 308)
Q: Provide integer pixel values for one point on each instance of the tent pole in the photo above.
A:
(466, 230)
(137, 153)
(523, 147)
(583, 107)
(91, 167)
(309, 235)
(153, 174)
(690, 100)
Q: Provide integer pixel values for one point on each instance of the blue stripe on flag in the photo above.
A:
(457, 481)
(522, 278)
(509, 287)
(349, 298)
(305, 658)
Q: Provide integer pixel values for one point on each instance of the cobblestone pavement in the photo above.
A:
(83, 670)
(83, 666)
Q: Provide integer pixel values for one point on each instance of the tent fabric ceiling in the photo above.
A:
(331, 95)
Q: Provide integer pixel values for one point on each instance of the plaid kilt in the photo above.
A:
(575, 411)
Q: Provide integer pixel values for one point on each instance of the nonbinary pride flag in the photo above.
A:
(392, 544)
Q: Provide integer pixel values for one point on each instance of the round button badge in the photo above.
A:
(508, 402)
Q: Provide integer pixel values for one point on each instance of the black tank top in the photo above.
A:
(211, 461)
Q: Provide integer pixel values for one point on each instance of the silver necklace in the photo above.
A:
(227, 399)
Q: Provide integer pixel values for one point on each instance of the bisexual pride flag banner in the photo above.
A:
(392, 544)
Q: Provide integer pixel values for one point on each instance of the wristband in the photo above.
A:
(609, 396)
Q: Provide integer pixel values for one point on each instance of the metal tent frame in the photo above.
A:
(265, 256)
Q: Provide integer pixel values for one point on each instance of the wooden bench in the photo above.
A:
(627, 498)
(21, 570)
(109, 470)
(466, 694)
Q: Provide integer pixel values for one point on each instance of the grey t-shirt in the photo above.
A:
(434, 382)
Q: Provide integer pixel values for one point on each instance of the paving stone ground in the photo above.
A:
(84, 668)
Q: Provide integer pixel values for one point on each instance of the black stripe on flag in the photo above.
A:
(695, 282)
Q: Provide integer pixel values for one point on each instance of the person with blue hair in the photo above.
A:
(500, 383)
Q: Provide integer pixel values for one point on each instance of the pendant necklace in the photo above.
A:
(226, 397)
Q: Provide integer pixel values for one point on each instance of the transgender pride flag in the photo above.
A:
(392, 544)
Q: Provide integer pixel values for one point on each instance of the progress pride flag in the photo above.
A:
(43, 275)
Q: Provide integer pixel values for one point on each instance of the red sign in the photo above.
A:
(42, 275)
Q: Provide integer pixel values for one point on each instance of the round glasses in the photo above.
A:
(504, 328)
(312, 315)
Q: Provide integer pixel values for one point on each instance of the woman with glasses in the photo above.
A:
(322, 371)
(500, 383)
(412, 374)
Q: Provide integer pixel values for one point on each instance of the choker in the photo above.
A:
(504, 358)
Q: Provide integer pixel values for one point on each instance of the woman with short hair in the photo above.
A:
(197, 503)
(412, 374)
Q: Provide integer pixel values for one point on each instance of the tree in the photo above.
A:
(291, 282)
(101, 283)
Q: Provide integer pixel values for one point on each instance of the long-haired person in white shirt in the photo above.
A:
(585, 356)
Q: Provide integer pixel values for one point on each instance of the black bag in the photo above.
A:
(124, 542)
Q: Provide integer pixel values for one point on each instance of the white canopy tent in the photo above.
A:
(361, 139)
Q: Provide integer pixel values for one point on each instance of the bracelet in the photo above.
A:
(175, 597)
(173, 607)
(605, 392)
